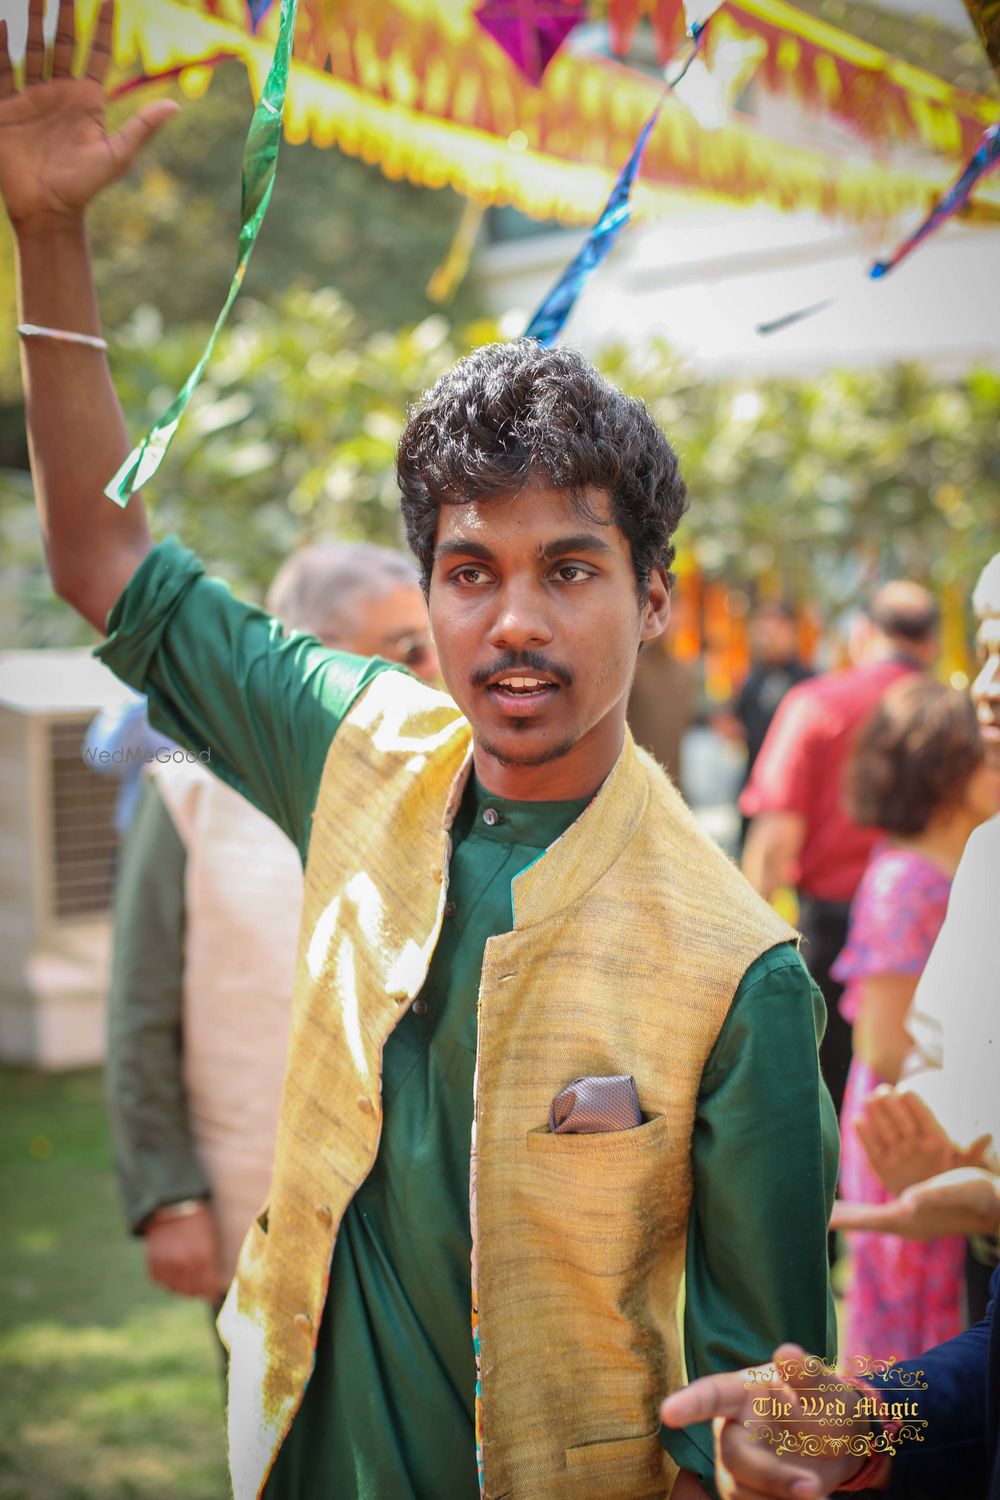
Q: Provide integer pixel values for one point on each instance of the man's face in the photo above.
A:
(772, 638)
(537, 620)
(986, 688)
(394, 626)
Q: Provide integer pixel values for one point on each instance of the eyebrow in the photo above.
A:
(583, 541)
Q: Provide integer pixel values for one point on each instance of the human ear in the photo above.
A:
(656, 611)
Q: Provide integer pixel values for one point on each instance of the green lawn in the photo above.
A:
(110, 1388)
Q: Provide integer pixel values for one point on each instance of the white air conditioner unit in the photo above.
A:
(57, 859)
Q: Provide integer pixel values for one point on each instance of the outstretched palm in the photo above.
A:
(56, 152)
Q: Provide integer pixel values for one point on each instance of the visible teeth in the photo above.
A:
(523, 682)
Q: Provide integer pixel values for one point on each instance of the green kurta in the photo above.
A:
(389, 1409)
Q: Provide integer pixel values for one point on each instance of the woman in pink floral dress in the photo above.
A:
(917, 773)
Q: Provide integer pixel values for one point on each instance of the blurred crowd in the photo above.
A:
(858, 790)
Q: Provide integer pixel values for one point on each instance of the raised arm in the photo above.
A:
(257, 705)
(56, 155)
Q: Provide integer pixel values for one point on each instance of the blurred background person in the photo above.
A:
(775, 668)
(663, 703)
(801, 833)
(919, 775)
(206, 924)
(946, 1113)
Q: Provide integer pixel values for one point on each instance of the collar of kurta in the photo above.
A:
(585, 852)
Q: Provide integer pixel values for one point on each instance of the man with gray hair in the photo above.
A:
(208, 909)
(357, 597)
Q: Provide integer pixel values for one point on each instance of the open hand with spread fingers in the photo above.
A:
(56, 152)
(905, 1142)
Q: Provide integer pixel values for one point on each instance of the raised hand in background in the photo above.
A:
(56, 152)
(56, 155)
(906, 1144)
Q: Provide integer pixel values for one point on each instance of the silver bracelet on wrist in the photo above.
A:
(184, 1209)
(60, 335)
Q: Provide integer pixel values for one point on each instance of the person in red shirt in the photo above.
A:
(801, 833)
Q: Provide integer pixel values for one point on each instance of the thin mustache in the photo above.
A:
(522, 661)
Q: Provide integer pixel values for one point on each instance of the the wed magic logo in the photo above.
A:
(818, 1418)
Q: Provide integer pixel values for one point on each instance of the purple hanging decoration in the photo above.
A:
(530, 31)
(550, 316)
(986, 156)
(258, 10)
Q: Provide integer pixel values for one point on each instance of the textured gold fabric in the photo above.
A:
(630, 938)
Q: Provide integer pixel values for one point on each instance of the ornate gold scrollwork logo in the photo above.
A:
(818, 1418)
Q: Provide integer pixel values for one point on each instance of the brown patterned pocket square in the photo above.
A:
(588, 1106)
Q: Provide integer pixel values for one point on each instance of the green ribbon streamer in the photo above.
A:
(260, 164)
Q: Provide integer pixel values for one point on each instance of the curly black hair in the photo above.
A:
(512, 412)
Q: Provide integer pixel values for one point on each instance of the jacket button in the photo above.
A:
(419, 1007)
(365, 1105)
(450, 908)
(303, 1321)
(324, 1214)
(490, 817)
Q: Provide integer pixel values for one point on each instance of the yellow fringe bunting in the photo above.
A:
(449, 275)
(585, 109)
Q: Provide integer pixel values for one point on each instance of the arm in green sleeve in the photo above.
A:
(765, 1153)
(154, 1150)
(222, 679)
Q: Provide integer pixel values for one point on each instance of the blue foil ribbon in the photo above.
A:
(550, 316)
(798, 316)
(986, 157)
(258, 10)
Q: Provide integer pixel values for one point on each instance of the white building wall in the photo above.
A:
(707, 276)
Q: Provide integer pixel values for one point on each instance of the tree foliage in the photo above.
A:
(837, 480)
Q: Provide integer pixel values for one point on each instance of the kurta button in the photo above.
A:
(419, 1007)
(324, 1214)
(449, 908)
(490, 817)
(365, 1105)
(303, 1321)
